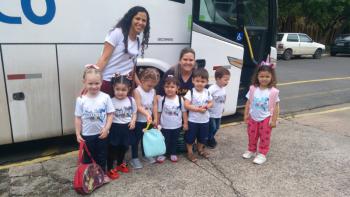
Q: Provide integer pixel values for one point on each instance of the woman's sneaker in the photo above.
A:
(136, 163)
(248, 154)
(161, 159)
(173, 158)
(259, 159)
(122, 168)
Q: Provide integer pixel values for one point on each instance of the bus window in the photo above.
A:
(218, 16)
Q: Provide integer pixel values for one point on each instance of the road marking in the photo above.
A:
(317, 93)
(312, 81)
(318, 113)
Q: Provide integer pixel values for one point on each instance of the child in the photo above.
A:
(123, 123)
(93, 117)
(171, 111)
(198, 101)
(218, 92)
(261, 111)
(145, 97)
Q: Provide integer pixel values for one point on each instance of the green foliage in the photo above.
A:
(321, 19)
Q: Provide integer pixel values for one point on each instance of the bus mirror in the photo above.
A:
(200, 63)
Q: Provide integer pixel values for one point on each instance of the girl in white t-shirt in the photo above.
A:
(93, 117)
(146, 101)
(261, 111)
(172, 113)
(122, 46)
(124, 120)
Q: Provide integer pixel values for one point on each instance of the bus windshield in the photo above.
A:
(221, 12)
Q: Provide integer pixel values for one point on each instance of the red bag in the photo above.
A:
(87, 177)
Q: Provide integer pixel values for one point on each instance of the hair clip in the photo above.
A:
(88, 66)
(129, 76)
(171, 76)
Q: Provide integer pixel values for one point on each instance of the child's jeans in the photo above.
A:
(98, 150)
(135, 138)
(214, 126)
(259, 130)
(171, 136)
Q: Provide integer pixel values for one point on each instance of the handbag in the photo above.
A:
(153, 142)
(87, 177)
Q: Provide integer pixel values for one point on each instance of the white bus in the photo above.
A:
(45, 43)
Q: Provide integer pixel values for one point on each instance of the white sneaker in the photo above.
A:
(161, 159)
(259, 159)
(149, 160)
(248, 154)
(136, 163)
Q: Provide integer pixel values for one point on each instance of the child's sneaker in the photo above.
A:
(112, 174)
(160, 159)
(122, 168)
(173, 158)
(150, 160)
(259, 159)
(136, 163)
(211, 143)
(248, 154)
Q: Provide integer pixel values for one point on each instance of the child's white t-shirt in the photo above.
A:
(93, 112)
(124, 109)
(120, 62)
(199, 99)
(171, 117)
(146, 102)
(259, 107)
(219, 97)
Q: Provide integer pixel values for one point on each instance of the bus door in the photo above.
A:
(216, 39)
(259, 21)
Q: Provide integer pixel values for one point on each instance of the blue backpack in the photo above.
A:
(153, 142)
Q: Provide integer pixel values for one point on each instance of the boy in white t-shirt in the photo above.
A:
(198, 101)
(218, 92)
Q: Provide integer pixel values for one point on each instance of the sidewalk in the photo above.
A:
(309, 157)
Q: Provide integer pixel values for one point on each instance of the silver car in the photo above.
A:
(297, 44)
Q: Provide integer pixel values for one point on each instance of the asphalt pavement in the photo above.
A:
(309, 157)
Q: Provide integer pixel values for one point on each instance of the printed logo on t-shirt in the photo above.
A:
(148, 107)
(219, 99)
(171, 110)
(199, 102)
(97, 114)
(261, 103)
(125, 112)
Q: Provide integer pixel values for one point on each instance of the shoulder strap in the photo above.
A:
(132, 107)
(180, 103)
(191, 94)
(163, 101)
(83, 147)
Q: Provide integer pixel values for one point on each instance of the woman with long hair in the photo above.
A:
(123, 45)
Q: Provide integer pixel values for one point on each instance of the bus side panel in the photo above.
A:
(5, 128)
(167, 53)
(32, 86)
(216, 53)
(71, 61)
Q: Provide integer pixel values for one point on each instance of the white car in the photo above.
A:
(297, 44)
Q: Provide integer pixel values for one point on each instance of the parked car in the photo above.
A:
(341, 44)
(297, 44)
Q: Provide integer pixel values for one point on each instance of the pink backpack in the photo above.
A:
(272, 97)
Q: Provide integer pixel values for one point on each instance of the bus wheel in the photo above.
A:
(287, 55)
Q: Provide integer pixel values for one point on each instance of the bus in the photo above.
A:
(45, 43)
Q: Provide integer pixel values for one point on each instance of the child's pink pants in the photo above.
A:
(259, 130)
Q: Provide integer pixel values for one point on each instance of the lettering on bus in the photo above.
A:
(30, 15)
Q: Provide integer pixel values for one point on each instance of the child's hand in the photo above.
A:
(185, 127)
(246, 119)
(80, 139)
(155, 124)
(132, 125)
(272, 124)
(202, 109)
(103, 133)
(149, 118)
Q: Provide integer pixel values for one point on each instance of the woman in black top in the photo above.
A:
(182, 71)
